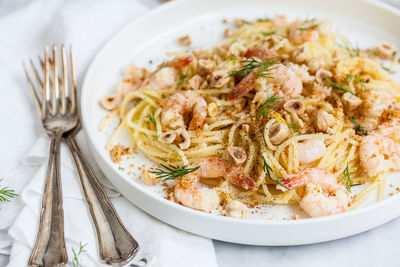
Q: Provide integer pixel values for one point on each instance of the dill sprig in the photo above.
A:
(337, 86)
(357, 126)
(388, 69)
(269, 33)
(173, 172)
(78, 255)
(295, 128)
(355, 78)
(6, 194)
(346, 180)
(269, 170)
(252, 63)
(307, 28)
(152, 119)
(182, 79)
(268, 106)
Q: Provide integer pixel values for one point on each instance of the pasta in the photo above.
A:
(294, 99)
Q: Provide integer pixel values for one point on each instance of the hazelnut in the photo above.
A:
(295, 105)
(351, 102)
(229, 32)
(278, 133)
(185, 139)
(386, 50)
(195, 82)
(237, 154)
(236, 209)
(110, 102)
(324, 120)
(184, 40)
(315, 64)
(205, 66)
(212, 109)
(167, 137)
(149, 178)
(220, 78)
(321, 75)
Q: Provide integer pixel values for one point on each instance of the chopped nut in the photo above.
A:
(321, 75)
(220, 78)
(185, 139)
(246, 128)
(237, 154)
(205, 66)
(236, 209)
(351, 102)
(278, 133)
(195, 82)
(167, 137)
(229, 32)
(184, 40)
(110, 102)
(295, 105)
(239, 22)
(149, 178)
(204, 85)
(315, 64)
(386, 50)
(324, 120)
(212, 109)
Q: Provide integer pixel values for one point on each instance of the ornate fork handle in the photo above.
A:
(116, 245)
(49, 248)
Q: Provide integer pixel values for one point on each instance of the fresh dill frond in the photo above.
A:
(252, 63)
(78, 255)
(120, 168)
(388, 70)
(234, 60)
(173, 172)
(269, 170)
(346, 180)
(295, 128)
(337, 86)
(357, 126)
(269, 33)
(263, 19)
(152, 119)
(137, 103)
(6, 194)
(181, 80)
(355, 78)
(303, 26)
(156, 137)
(354, 185)
(268, 106)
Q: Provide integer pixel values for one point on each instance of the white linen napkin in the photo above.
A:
(86, 24)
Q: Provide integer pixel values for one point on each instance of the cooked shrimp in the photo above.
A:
(306, 32)
(261, 53)
(288, 83)
(324, 195)
(389, 128)
(378, 154)
(311, 150)
(189, 194)
(180, 104)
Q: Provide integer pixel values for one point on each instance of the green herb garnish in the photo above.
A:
(295, 128)
(137, 103)
(357, 126)
(234, 60)
(268, 106)
(355, 78)
(77, 256)
(251, 64)
(269, 32)
(120, 168)
(346, 181)
(268, 170)
(388, 70)
(181, 81)
(173, 172)
(6, 194)
(337, 86)
(152, 119)
(311, 27)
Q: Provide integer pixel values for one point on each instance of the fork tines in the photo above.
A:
(53, 92)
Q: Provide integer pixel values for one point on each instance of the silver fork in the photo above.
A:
(116, 245)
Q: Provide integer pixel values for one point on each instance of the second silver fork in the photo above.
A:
(116, 245)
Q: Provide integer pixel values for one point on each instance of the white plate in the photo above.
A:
(150, 37)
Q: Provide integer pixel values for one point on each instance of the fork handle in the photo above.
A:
(49, 248)
(116, 245)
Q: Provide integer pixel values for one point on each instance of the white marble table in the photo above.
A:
(378, 247)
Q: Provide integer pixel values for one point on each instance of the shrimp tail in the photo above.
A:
(244, 86)
(243, 180)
